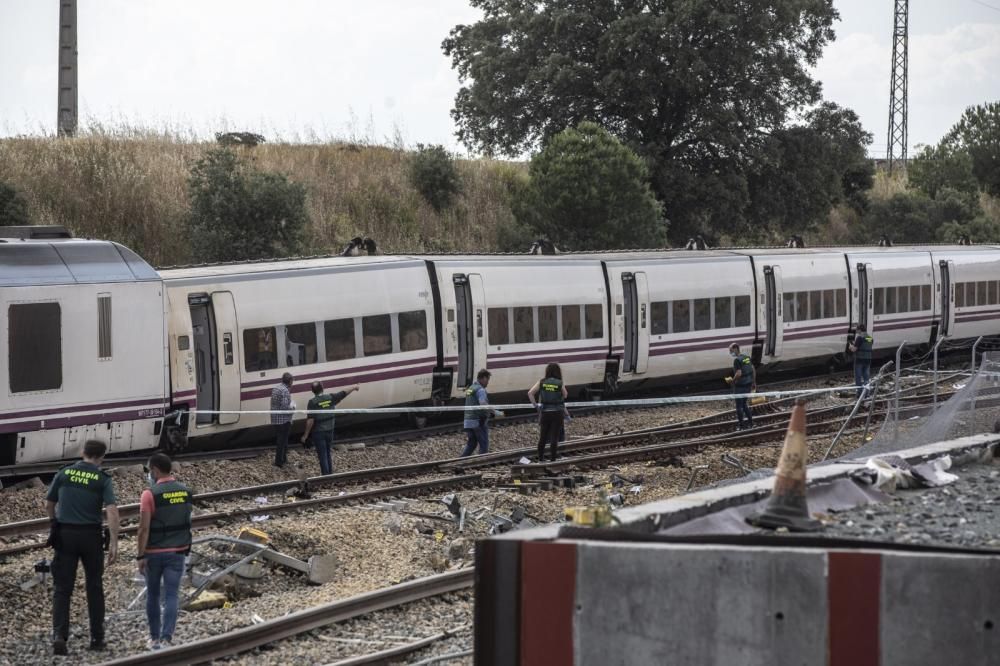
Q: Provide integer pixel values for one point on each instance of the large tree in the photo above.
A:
(977, 133)
(694, 86)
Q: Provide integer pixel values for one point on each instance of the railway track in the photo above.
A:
(235, 642)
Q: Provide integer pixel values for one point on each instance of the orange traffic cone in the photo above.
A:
(787, 507)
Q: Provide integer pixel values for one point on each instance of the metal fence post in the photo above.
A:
(857, 406)
(972, 366)
(895, 417)
(871, 406)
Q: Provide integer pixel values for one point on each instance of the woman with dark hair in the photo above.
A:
(551, 399)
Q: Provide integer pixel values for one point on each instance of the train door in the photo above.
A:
(947, 302)
(866, 299)
(773, 316)
(227, 368)
(470, 314)
(631, 303)
(205, 361)
(642, 346)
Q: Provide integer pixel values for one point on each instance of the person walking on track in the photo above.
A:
(862, 348)
(73, 504)
(549, 396)
(162, 543)
(281, 401)
(477, 415)
(743, 386)
(319, 423)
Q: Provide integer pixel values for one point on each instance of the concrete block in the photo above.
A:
(650, 604)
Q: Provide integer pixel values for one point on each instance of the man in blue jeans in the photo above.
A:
(163, 541)
(476, 421)
(319, 423)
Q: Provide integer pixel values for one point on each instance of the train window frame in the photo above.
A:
(960, 295)
(925, 297)
(981, 293)
(308, 330)
(365, 336)
(348, 323)
(686, 311)
(105, 331)
(841, 298)
(788, 306)
(816, 304)
(702, 308)
(34, 330)
(404, 327)
(879, 297)
(916, 303)
(659, 321)
(829, 303)
(574, 319)
(742, 304)
(494, 318)
(970, 294)
(593, 313)
(992, 295)
(722, 319)
(523, 320)
(801, 306)
(548, 326)
(252, 342)
(890, 300)
(902, 299)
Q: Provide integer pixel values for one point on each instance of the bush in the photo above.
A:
(589, 191)
(239, 213)
(434, 175)
(13, 210)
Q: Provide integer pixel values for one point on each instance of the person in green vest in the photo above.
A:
(743, 385)
(163, 541)
(319, 423)
(73, 505)
(548, 395)
(862, 348)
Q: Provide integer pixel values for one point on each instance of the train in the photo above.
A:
(100, 344)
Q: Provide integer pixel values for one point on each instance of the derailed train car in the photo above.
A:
(99, 344)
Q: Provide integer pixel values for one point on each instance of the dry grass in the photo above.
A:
(130, 185)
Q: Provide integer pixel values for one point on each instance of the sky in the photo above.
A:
(374, 71)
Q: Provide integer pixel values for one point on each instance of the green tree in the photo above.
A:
(978, 134)
(694, 86)
(239, 213)
(943, 166)
(904, 217)
(588, 191)
(13, 209)
(433, 173)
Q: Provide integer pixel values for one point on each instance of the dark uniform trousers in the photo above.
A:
(78, 543)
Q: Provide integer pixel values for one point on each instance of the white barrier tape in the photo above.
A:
(642, 402)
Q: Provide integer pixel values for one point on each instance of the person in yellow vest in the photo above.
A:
(551, 397)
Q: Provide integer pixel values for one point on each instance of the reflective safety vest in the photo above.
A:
(170, 526)
(863, 343)
(81, 494)
(472, 400)
(550, 395)
(745, 366)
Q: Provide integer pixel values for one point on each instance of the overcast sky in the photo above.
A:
(374, 69)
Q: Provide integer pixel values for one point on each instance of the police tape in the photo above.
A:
(638, 402)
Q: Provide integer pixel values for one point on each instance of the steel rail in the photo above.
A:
(238, 641)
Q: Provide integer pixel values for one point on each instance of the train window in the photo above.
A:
(915, 304)
(548, 327)
(681, 317)
(960, 295)
(981, 294)
(339, 337)
(258, 348)
(829, 309)
(841, 302)
(412, 330)
(992, 292)
(571, 322)
(890, 300)
(300, 344)
(702, 314)
(524, 325)
(593, 320)
(801, 305)
(34, 335)
(376, 334)
(970, 294)
(742, 310)
(183, 343)
(815, 304)
(925, 297)
(723, 312)
(661, 317)
(499, 319)
(879, 300)
(104, 327)
(902, 299)
(788, 305)
(451, 315)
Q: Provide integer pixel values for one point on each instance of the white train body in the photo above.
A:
(415, 330)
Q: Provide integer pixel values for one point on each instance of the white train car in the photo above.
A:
(969, 304)
(84, 340)
(512, 315)
(235, 329)
(674, 314)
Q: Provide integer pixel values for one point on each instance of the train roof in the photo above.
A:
(72, 261)
(208, 271)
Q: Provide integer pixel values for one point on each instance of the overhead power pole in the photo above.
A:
(67, 100)
(897, 87)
